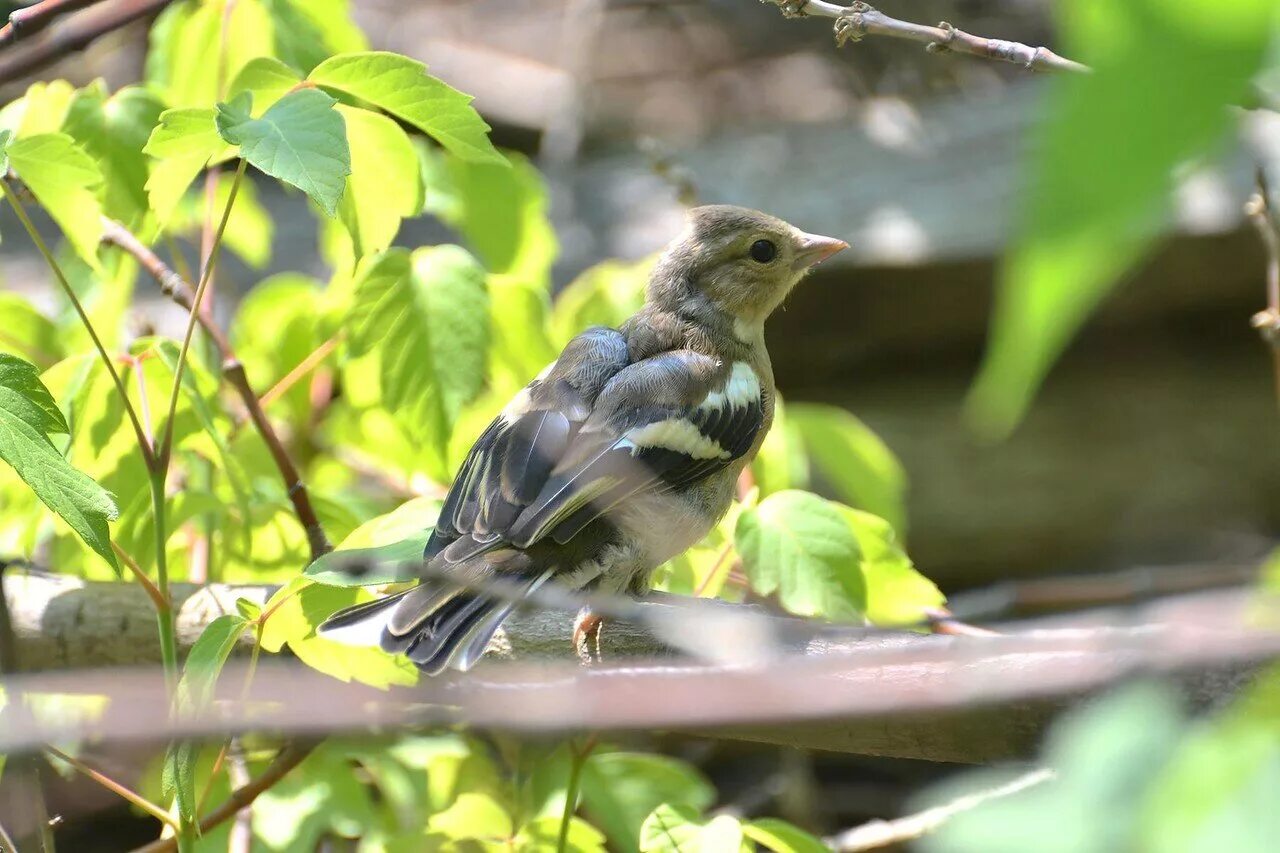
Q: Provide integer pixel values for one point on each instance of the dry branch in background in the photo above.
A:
(856, 21)
(885, 833)
(70, 35)
(181, 292)
(899, 694)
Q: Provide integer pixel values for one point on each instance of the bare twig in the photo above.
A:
(883, 833)
(1262, 213)
(181, 292)
(113, 786)
(30, 20)
(856, 21)
(74, 34)
(290, 757)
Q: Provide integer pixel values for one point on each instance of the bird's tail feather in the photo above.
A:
(435, 625)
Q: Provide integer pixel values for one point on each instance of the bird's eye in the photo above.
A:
(763, 251)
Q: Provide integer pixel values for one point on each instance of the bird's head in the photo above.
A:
(739, 261)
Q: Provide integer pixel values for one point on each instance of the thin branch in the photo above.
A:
(290, 757)
(77, 32)
(153, 591)
(30, 20)
(855, 22)
(303, 367)
(181, 292)
(884, 833)
(144, 446)
(113, 786)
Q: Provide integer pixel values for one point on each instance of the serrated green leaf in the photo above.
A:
(267, 79)
(502, 211)
(301, 140)
(113, 130)
(401, 86)
(41, 109)
(27, 333)
(296, 611)
(802, 548)
(189, 52)
(28, 414)
(604, 295)
(897, 594)
(384, 186)
(854, 460)
(205, 660)
(621, 789)
(386, 549)
(1164, 76)
(426, 317)
(184, 142)
(65, 180)
(310, 31)
(544, 833)
(781, 837)
(679, 829)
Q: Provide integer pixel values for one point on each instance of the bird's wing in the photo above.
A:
(659, 424)
(514, 456)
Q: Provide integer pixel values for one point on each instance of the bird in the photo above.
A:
(620, 455)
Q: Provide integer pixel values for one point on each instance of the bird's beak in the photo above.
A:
(814, 249)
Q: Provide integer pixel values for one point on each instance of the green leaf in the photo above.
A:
(384, 185)
(679, 829)
(179, 776)
(322, 796)
(28, 333)
(370, 566)
(387, 549)
(276, 327)
(782, 837)
(604, 295)
(802, 547)
(897, 594)
(854, 460)
(620, 789)
(473, 816)
(1101, 166)
(42, 109)
(65, 180)
(310, 31)
(184, 142)
(301, 140)
(267, 79)
(205, 660)
(426, 315)
(113, 130)
(401, 86)
(187, 56)
(28, 414)
(543, 834)
(298, 608)
(501, 209)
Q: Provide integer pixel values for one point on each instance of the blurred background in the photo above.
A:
(1152, 444)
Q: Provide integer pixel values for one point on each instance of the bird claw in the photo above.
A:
(851, 27)
(586, 634)
(790, 8)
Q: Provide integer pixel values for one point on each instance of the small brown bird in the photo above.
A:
(620, 455)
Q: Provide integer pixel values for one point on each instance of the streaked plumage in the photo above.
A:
(620, 455)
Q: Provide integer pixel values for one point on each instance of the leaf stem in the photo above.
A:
(578, 761)
(148, 452)
(112, 785)
(166, 442)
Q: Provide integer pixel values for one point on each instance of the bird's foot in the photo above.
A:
(586, 635)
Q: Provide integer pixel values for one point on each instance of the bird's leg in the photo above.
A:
(586, 633)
